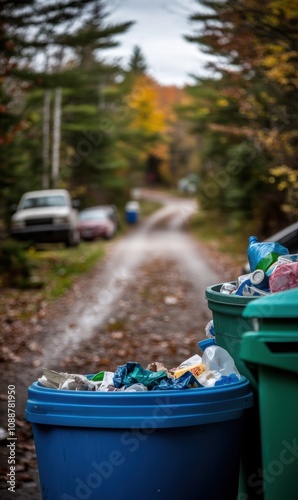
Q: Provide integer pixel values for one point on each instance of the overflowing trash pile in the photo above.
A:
(272, 269)
(215, 367)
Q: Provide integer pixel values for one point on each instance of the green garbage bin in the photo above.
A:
(230, 326)
(271, 354)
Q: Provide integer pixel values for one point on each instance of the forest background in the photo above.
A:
(70, 119)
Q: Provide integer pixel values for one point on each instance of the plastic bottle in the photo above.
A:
(217, 359)
(209, 378)
(203, 344)
(263, 255)
(259, 279)
(255, 283)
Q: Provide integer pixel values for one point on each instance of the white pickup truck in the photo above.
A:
(46, 216)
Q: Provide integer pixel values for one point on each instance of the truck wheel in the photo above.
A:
(73, 239)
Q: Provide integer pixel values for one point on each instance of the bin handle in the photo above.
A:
(283, 347)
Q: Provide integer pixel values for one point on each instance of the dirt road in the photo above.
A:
(159, 238)
(144, 302)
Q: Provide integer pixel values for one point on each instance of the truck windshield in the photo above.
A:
(44, 201)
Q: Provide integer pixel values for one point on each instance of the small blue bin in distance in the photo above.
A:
(132, 210)
(150, 445)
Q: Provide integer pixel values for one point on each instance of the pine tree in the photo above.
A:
(51, 32)
(137, 63)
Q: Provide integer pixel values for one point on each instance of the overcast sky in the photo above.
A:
(159, 29)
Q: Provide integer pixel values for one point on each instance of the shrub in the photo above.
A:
(15, 267)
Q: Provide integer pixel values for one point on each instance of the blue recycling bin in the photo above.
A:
(132, 211)
(150, 445)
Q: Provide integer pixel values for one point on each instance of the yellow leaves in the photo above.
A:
(34, 117)
(270, 60)
(280, 145)
(280, 170)
(279, 65)
(153, 104)
(268, 138)
(276, 48)
(285, 177)
(281, 186)
(143, 100)
(203, 111)
(222, 103)
(287, 7)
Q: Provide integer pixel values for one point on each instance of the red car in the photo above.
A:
(96, 223)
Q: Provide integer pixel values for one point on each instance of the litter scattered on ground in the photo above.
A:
(272, 269)
(170, 300)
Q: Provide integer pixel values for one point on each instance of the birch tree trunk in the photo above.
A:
(56, 136)
(46, 140)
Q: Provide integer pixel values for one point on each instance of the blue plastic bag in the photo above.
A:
(132, 373)
(185, 381)
(263, 255)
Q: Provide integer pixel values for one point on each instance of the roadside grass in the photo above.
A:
(54, 269)
(148, 207)
(217, 232)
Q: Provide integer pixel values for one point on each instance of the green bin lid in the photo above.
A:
(276, 305)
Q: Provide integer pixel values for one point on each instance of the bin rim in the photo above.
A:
(169, 408)
(225, 388)
(212, 294)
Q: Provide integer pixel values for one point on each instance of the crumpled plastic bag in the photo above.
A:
(134, 388)
(185, 381)
(261, 255)
(216, 358)
(132, 373)
(284, 277)
(66, 381)
(101, 382)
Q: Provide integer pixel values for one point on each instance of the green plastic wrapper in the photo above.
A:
(133, 373)
(98, 377)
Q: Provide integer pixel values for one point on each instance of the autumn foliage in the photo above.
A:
(254, 56)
